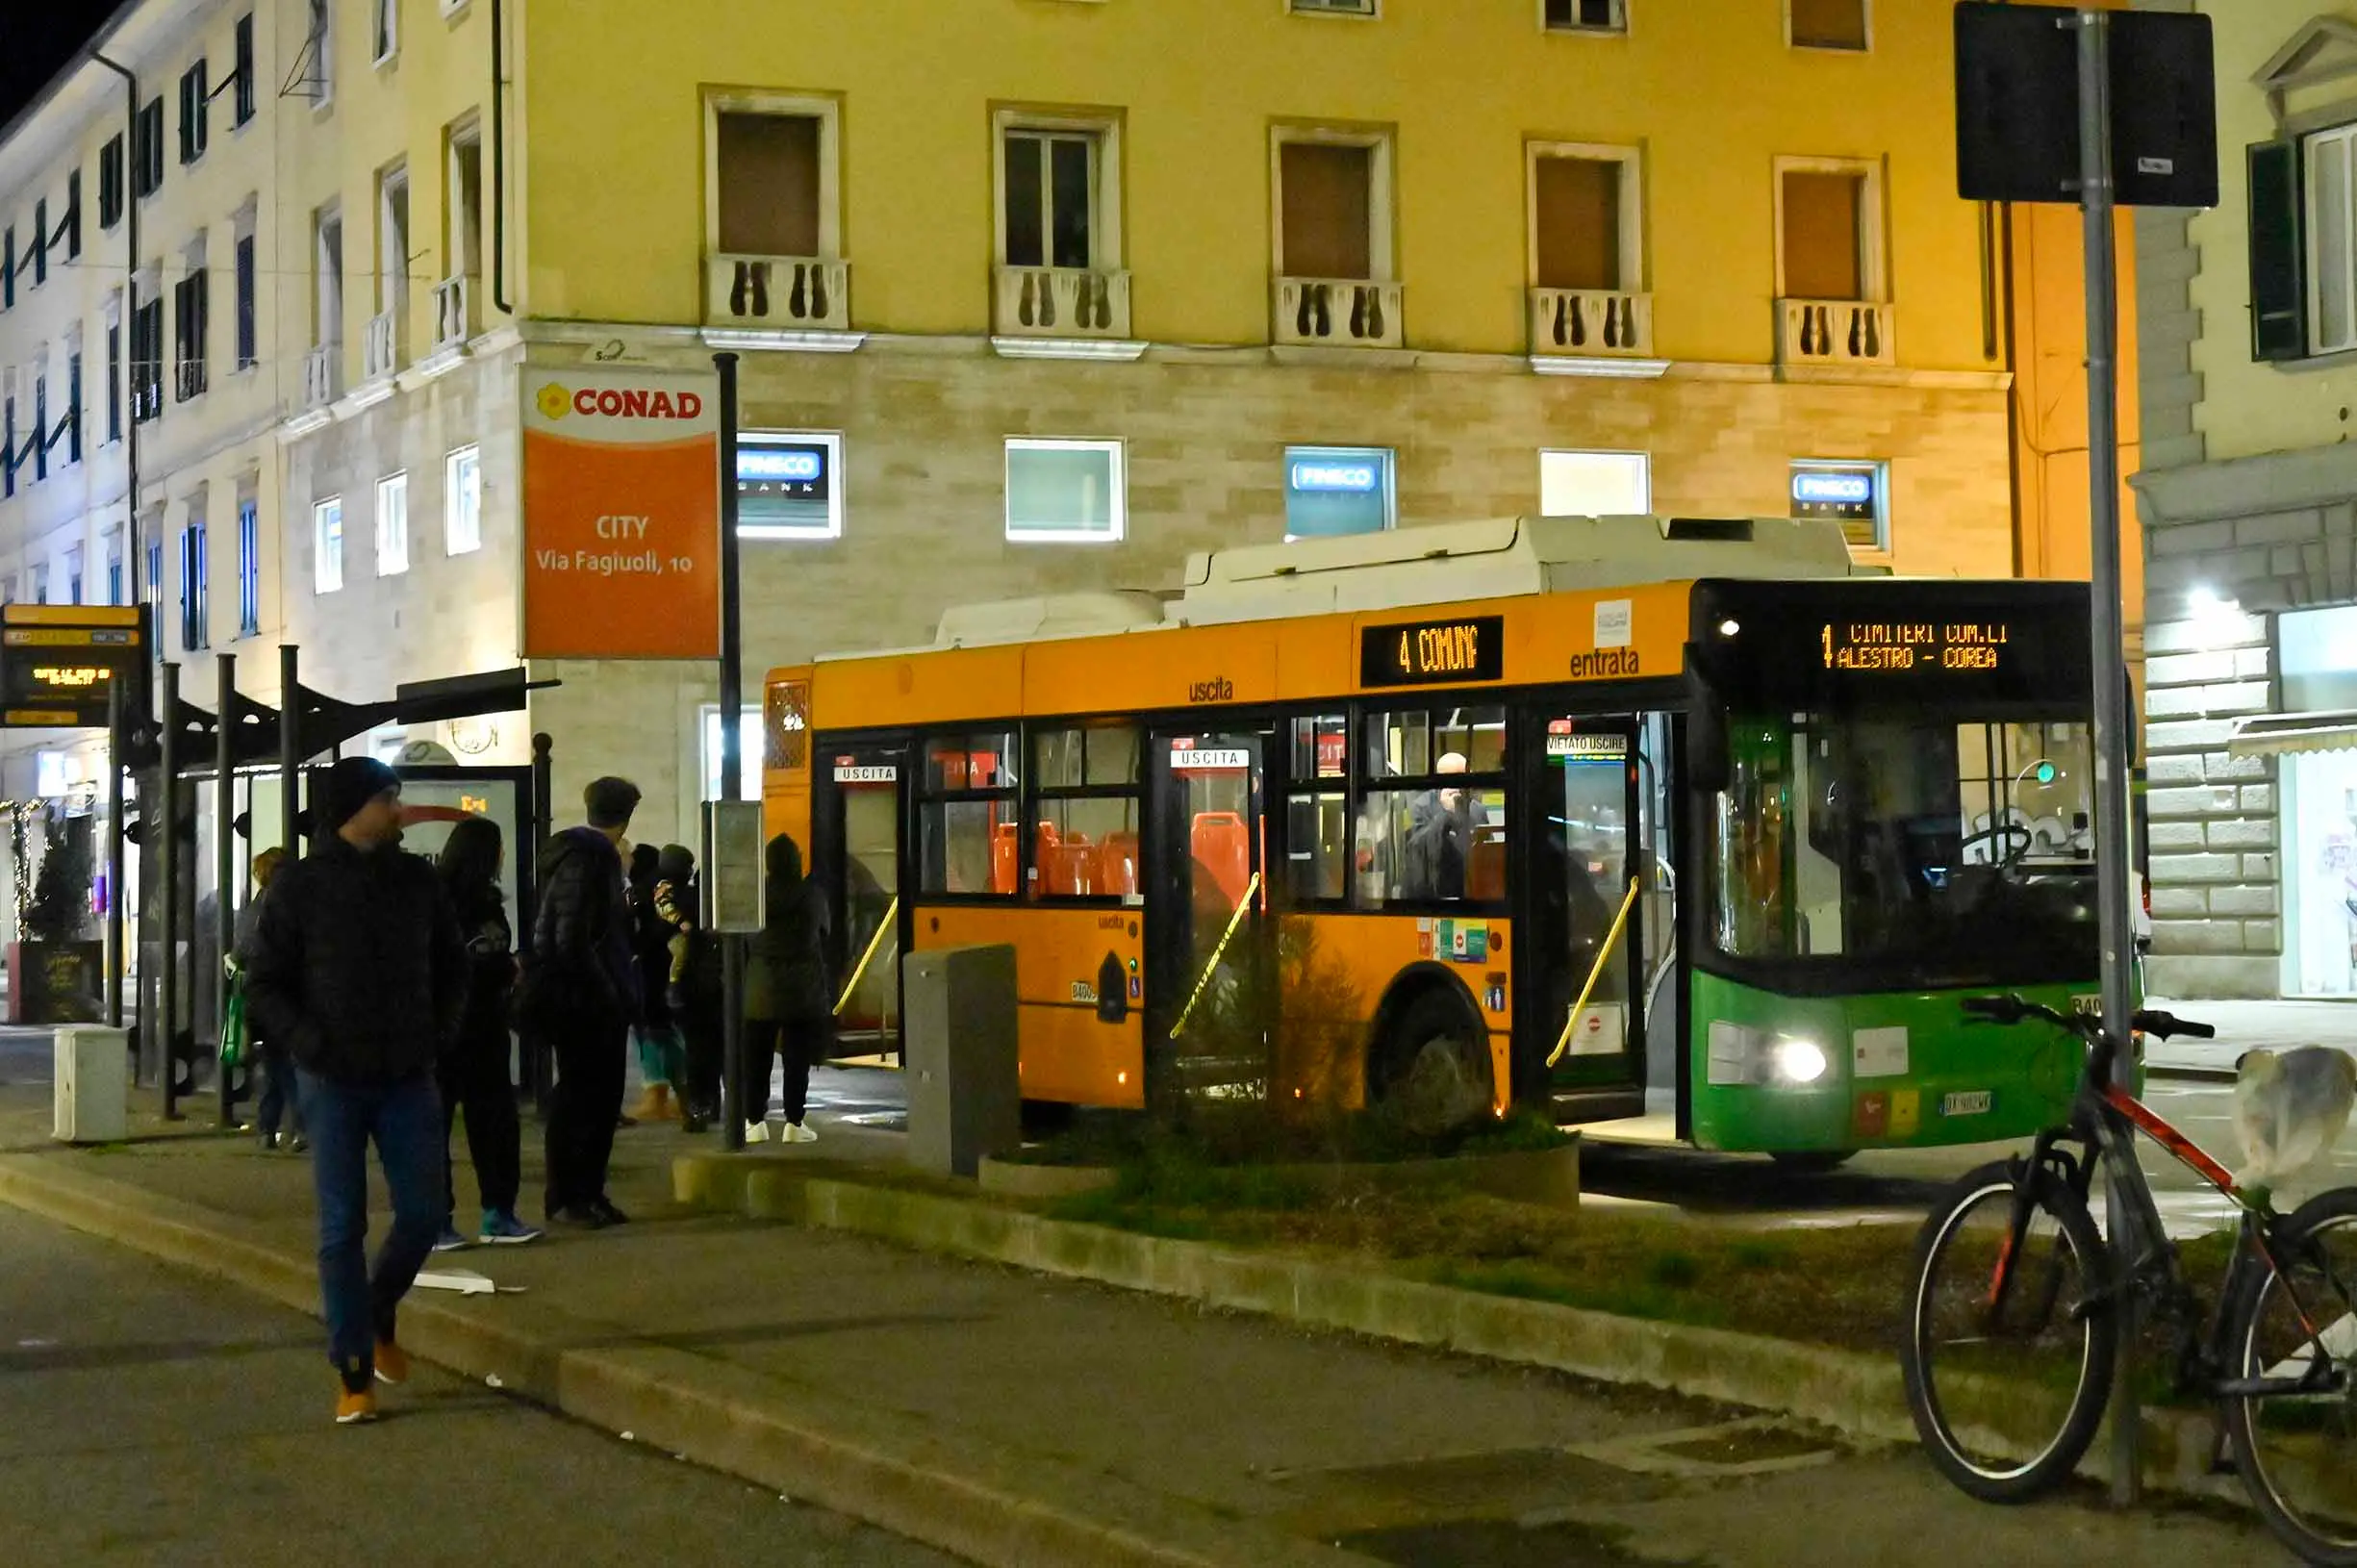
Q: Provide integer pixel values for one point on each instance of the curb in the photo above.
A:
(1861, 1395)
(1002, 1509)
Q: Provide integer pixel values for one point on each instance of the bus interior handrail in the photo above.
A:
(1611, 940)
(861, 971)
(1204, 979)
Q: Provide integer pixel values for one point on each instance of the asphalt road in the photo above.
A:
(150, 1417)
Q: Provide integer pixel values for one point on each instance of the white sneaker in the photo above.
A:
(756, 1132)
(795, 1132)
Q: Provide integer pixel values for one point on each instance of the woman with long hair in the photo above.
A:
(474, 1073)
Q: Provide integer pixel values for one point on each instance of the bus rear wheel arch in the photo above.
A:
(1428, 1052)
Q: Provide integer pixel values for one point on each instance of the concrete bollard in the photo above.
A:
(92, 1078)
(965, 1096)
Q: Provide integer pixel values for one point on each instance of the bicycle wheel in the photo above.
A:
(2007, 1385)
(2297, 1452)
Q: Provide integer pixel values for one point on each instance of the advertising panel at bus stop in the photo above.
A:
(621, 514)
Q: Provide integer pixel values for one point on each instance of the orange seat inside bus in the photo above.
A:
(1117, 864)
(1222, 844)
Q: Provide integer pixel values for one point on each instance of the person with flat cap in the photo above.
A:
(360, 972)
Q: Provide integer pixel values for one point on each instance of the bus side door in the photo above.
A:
(858, 818)
(1208, 1011)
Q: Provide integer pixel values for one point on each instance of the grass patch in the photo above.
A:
(1253, 1133)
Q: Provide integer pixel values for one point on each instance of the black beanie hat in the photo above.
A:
(349, 784)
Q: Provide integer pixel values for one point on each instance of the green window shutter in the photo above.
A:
(2278, 261)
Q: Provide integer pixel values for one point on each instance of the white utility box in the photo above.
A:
(94, 1084)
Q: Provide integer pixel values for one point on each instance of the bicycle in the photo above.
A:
(2011, 1348)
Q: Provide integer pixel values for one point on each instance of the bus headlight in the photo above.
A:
(1797, 1061)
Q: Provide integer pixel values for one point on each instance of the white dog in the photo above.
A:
(2290, 1107)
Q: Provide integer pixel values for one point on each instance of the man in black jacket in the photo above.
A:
(581, 942)
(360, 973)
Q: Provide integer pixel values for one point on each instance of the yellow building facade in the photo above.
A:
(1036, 296)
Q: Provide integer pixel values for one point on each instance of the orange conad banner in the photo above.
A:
(621, 514)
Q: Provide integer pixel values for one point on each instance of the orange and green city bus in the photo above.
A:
(1567, 809)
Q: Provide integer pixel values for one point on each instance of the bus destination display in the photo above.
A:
(1900, 647)
(1432, 652)
(57, 675)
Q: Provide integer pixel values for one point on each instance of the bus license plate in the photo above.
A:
(1968, 1103)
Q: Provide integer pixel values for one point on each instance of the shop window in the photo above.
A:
(1595, 483)
(1338, 489)
(1855, 494)
(1065, 492)
(789, 486)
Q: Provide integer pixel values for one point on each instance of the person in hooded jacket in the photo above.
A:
(360, 973)
(473, 1075)
(789, 1001)
(656, 1030)
(694, 984)
(588, 984)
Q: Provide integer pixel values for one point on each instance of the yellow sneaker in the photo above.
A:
(353, 1409)
(391, 1362)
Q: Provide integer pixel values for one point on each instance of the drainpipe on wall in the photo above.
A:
(499, 161)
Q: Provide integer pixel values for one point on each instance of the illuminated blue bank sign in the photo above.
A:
(786, 487)
(1854, 494)
(1337, 490)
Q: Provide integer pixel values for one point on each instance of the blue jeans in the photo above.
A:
(405, 1121)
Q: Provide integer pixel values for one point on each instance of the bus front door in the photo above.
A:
(1209, 1012)
(1581, 829)
(858, 811)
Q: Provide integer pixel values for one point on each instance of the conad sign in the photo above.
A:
(622, 516)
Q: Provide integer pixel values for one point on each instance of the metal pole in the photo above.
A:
(732, 756)
(2112, 720)
(290, 751)
(537, 1060)
(224, 863)
(116, 968)
(166, 843)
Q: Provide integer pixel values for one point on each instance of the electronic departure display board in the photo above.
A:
(58, 661)
(1453, 652)
(1892, 640)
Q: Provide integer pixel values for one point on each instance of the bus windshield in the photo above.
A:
(1907, 849)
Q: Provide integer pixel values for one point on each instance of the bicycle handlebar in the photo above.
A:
(2087, 1025)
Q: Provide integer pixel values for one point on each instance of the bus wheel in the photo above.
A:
(1811, 1161)
(1434, 1059)
(1046, 1118)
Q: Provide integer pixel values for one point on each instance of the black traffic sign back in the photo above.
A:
(2017, 106)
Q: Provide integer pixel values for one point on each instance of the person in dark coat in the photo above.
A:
(581, 940)
(693, 984)
(360, 973)
(474, 1073)
(282, 1097)
(789, 1002)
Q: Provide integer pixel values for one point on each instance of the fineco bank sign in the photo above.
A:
(621, 514)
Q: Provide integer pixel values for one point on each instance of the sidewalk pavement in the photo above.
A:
(2248, 1025)
(1019, 1420)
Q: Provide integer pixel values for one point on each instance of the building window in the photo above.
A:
(385, 32)
(1331, 217)
(1584, 15)
(1332, 8)
(69, 227)
(1855, 494)
(1829, 225)
(147, 361)
(748, 748)
(147, 149)
(195, 623)
(193, 114)
(41, 582)
(462, 485)
(242, 104)
(772, 179)
(111, 183)
(249, 566)
(1048, 195)
(1826, 24)
(2331, 175)
(8, 268)
(1065, 492)
(327, 279)
(152, 590)
(392, 525)
(37, 252)
(73, 410)
(789, 486)
(327, 544)
(1595, 483)
(1338, 489)
(37, 438)
(114, 370)
(1585, 228)
(114, 573)
(386, 346)
(73, 575)
(189, 330)
(249, 353)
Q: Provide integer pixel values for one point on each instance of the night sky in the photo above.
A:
(43, 34)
